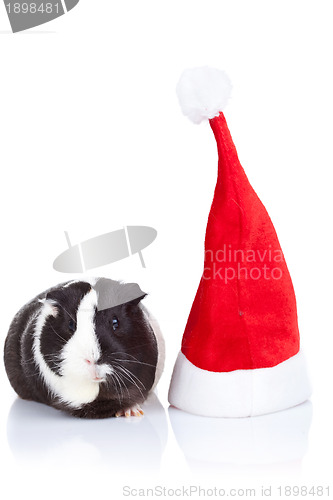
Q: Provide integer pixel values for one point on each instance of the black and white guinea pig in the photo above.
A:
(88, 348)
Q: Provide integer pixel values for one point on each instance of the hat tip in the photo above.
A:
(203, 93)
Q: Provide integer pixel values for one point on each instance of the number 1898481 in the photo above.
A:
(33, 8)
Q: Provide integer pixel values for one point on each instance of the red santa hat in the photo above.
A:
(240, 353)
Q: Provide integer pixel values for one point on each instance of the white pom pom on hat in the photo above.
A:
(203, 93)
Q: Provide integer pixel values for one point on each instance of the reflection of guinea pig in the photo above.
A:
(89, 348)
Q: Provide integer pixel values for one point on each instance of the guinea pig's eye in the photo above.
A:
(71, 325)
(115, 323)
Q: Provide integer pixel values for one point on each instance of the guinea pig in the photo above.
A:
(89, 348)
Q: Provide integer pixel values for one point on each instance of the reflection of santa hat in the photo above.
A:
(240, 352)
(230, 443)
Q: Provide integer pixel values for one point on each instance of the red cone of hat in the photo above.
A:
(240, 353)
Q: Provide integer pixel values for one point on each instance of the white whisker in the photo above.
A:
(130, 379)
(132, 361)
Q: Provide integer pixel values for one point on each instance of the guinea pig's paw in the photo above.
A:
(135, 411)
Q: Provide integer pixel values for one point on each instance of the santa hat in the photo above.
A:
(240, 353)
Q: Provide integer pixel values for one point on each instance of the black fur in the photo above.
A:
(131, 346)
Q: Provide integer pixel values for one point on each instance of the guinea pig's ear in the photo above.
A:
(57, 300)
(56, 296)
(49, 307)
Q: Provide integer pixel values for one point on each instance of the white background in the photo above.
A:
(92, 139)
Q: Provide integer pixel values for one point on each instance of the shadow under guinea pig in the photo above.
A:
(40, 434)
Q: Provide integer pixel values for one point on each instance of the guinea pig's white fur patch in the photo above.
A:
(75, 386)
